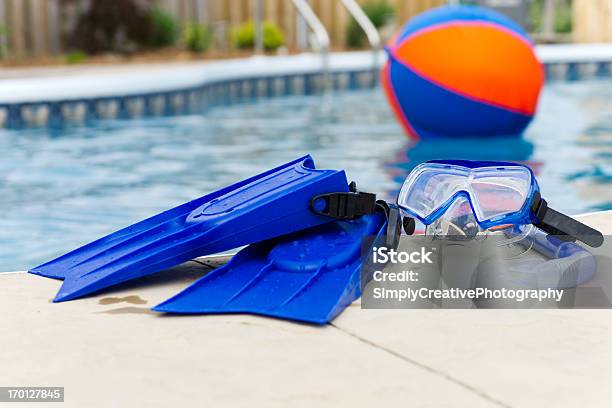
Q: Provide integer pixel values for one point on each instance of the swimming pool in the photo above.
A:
(63, 188)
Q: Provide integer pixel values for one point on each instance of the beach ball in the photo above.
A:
(462, 71)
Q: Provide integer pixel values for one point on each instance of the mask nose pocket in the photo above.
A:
(458, 222)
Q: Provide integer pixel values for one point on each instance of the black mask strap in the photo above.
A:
(344, 205)
(555, 223)
(353, 204)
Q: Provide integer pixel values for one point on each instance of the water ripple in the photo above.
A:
(62, 188)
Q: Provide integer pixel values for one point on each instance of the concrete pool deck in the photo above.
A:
(110, 350)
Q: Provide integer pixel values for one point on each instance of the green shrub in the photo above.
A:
(76, 57)
(115, 26)
(379, 13)
(273, 37)
(164, 28)
(243, 36)
(197, 37)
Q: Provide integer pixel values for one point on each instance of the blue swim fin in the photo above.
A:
(265, 206)
(309, 276)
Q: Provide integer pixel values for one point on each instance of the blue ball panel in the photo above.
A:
(437, 112)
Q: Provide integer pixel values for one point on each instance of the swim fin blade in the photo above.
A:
(265, 206)
(309, 276)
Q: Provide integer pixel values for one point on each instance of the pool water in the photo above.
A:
(63, 188)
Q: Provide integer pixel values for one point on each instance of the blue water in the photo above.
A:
(61, 189)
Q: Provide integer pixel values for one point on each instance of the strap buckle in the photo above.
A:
(344, 205)
(539, 206)
(353, 204)
(395, 223)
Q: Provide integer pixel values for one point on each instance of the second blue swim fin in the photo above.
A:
(309, 276)
(265, 206)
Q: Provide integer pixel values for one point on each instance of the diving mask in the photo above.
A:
(495, 193)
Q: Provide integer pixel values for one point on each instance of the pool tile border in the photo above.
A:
(177, 102)
(200, 98)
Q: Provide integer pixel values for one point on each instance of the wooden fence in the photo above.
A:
(39, 27)
(592, 20)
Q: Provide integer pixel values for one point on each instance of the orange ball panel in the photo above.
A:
(480, 61)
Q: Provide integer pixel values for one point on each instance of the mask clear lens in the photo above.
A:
(427, 190)
(500, 194)
(429, 186)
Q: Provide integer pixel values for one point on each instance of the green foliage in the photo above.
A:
(243, 36)
(3, 41)
(76, 57)
(164, 28)
(197, 37)
(563, 16)
(379, 12)
(536, 10)
(273, 37)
